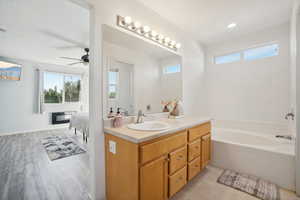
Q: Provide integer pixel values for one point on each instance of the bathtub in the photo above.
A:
(256, 153)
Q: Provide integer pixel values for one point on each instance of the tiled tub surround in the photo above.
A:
(252, 148)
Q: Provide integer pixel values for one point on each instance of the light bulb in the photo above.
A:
(178, 45)
(160, 37)
(146, 29)
(137, 25)
(127, 20)
(153, 33)
(167, 40)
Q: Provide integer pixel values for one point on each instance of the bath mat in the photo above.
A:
(250, 184)
(58, 147)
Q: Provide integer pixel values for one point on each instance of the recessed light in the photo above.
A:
(232, 25)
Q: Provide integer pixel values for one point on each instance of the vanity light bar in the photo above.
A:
(145, 31)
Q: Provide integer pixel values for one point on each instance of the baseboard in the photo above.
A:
(33, 131)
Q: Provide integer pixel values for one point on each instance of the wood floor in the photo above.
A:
(26, 173)
(205, 187)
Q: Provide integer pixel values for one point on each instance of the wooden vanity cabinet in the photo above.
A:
(155, 169)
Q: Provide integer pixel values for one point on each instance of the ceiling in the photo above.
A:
(207, 20)
(43, 30)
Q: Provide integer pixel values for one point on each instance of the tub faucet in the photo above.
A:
(140, 116)
(288, 115)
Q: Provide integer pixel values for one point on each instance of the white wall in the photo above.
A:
(171, 84)
(256, 90)
(18, 102)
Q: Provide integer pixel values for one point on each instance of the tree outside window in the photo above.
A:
(61, 88)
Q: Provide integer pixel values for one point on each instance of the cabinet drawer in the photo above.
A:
(178, 159)
(177, 181)
(198, 131)
(194, 150)
(194, 168)
(158, 148)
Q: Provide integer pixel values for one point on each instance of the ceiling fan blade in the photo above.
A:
(75, 63)
(63, 38)
(71, 58)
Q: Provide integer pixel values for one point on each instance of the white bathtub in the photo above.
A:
(255, 153)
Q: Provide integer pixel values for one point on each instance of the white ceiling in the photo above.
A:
(43, 30)
(207, 20)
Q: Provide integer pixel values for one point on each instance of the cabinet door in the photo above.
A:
(154, 180)
(205, 149)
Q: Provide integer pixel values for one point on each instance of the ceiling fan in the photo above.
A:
(85, 59)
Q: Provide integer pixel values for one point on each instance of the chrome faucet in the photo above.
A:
(288, 115)
(140, 118)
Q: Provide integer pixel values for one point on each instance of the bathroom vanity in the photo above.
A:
(147, 165)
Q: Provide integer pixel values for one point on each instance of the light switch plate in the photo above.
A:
(112, 146)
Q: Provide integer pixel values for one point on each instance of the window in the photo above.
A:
(72, 88)
(60, 88)
(228, 58)
(171, 69)
(261, 52)
(249, 54)
(113, 76)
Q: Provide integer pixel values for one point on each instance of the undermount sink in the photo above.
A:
(149, 126)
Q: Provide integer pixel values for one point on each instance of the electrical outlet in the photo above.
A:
(112, 146)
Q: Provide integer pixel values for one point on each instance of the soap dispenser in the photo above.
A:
(118, 120)
(111, 113)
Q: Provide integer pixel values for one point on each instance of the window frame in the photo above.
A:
(165, 67)
(227, 54)
(115, 84)
(63, 74)
(261, 46)
(242, 52)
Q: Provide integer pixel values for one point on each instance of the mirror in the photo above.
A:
(138, 74)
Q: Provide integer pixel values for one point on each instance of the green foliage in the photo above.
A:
(72, 91)
(52, 95)
(112, 95)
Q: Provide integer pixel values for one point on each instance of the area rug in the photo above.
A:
(58, 147)
(250, 184)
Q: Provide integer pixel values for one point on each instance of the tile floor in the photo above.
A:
(205, 187)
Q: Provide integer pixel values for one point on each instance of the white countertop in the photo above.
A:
(142, 136)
